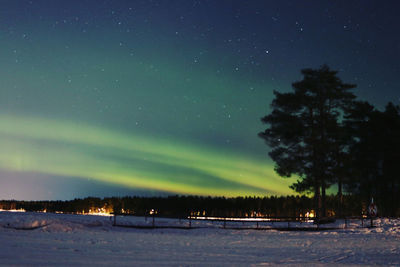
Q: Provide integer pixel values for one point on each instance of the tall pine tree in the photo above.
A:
(304, 131)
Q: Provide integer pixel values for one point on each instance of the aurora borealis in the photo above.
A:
(132, 161)
(102, 98)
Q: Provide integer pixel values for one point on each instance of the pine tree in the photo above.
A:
(304, 131)
(375, 154)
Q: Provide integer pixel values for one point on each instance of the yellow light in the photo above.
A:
(310, 214)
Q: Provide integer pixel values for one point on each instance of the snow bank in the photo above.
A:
(51, 222)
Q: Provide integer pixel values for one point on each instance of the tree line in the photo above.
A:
(323, 135)
(184, 206)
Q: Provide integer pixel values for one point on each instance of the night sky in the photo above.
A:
(115, 98)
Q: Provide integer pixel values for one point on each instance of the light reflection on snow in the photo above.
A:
(13, 210)
(243, 219)
(229, 219)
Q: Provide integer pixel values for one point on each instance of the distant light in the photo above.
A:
(310, 214)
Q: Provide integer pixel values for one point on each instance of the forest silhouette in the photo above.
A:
(324, 136)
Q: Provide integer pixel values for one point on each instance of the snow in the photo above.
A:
(63, 240)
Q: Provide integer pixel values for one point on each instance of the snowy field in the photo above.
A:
(71, 240)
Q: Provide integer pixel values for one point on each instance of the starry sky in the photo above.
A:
(115, 98)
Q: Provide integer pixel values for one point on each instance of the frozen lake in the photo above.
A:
(60, 239)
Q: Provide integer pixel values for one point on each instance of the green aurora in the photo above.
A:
(80, 150)
(158, 114)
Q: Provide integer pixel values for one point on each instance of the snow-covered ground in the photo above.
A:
(65, 240)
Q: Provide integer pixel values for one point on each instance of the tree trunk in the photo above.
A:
(317, 202)
(393, 202)
(340, 196)
(323, 207)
